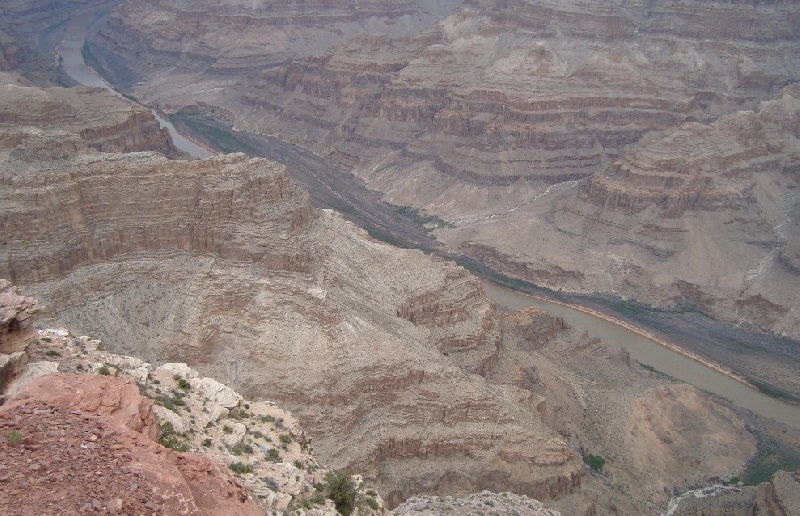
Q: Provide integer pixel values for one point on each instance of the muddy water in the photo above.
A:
(75, 67)
(648, 352)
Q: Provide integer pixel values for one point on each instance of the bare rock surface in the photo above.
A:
(16, 318)
(474, 505)
(701, 216)
(37, 118)
(778, 497)
(75, 444)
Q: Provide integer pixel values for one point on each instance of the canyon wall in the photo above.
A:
(702, 217)
(479, 111)
(223, 264)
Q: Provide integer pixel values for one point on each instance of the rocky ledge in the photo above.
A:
(87, 431)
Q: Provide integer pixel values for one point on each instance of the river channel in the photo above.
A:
(641, 348)
(74, 65)
(648, 352)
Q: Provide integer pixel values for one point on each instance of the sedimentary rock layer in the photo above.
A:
(496, 94)
(702, 217)
(222, 263)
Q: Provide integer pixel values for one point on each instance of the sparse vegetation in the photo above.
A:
(596, 462)
(226, 429)
(52, 353)
(239, 467)
(241, 448)
(171, 403)
(172, 439)
(342, 491)
(207, 442)
(183, 384)
(14, 437)
(273, 455)
(104, 370)
(772, 455)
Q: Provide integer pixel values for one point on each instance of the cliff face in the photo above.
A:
(495, 95)
(700, 216)
(223, 264)
(73, 119)
(10, 52)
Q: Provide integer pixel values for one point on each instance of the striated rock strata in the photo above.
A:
(394, 361)
(700, 217)
(222, 263)
(60, 121)
(488, 114)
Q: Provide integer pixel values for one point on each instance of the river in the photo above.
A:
(72, 61)
(648, 352)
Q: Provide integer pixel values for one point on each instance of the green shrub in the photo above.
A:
(238, 467)
(52, 353)
(183, 384)
(207, 442)
(241, 448)
(596, 462)
(372, 503)
(172, 439)
(273, 455)
(169, 403)
(285, 438)
(342, 492)
(226, 429)
(104, 371)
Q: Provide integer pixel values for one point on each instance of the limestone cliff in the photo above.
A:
(701, 216)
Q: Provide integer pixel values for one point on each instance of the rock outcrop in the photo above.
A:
(700, 217)
(69, 119)
(778, 497)
(211, 261)
(16, 318)
(78, 443)
(474, 505)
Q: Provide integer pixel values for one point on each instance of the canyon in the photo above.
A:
(482, 112)
(395, 362)
(630, 175)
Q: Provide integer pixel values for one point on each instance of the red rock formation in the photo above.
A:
(78, 443)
